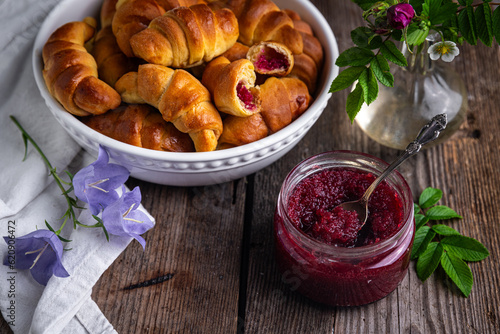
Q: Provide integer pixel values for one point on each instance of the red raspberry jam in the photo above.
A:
(245, 96)
(312, 207)
(320, 247)
(271, 60)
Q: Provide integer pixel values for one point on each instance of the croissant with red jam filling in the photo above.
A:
(232, 86)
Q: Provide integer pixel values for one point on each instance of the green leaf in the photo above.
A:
(443, 13)
(49, 227)
(444, 230)
(375, 42)
(483, 17)
(346, 78)
(355, 56)
(391, 53)
(397, 35)
(361, 36)
(426, 8)
(416, 208)
(365, 4)
(429, 260)
(496, 24)
(63, 239)
(369, 84)
(458, 271)
(467, 25)
(420, 220)
(468, 249)
(416, 35)
(417, 5)
(441, 212)
(423, 237)
(354, 102)
(429, 197)
(381, 69)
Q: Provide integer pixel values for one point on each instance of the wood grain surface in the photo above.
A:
(209, 263)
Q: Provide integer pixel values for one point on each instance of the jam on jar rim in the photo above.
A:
(371, 164)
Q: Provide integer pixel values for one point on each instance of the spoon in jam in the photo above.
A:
(427, 134)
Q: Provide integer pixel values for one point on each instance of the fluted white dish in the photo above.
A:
(200, 168)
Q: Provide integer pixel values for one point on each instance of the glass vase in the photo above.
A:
(422, 90)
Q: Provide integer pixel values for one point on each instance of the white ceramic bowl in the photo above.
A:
(190, 169)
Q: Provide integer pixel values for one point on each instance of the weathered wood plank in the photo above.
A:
(197, 239)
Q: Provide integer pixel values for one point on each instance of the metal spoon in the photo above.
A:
(427, 134)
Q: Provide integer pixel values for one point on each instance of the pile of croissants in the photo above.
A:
(184, 75)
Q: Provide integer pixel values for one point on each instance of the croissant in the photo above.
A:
(262, 20)
(271, 58)
(232, 85)
(70, 71)
(181, 99)
(186, 36)
(308, 64)
(237, 51)
(283, 100)
(131, 17)
(171, 4)
(312, 46)
(242, 130)
(107, 12)
(142, 126)
(112, 63)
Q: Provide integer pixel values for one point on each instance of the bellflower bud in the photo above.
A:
(399, 16)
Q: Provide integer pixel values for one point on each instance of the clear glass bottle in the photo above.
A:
(340, 276)
(422, 90)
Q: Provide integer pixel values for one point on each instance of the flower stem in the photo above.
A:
(26, 138)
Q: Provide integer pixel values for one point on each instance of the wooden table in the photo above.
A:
(209, 266)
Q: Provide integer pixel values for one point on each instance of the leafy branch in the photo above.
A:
(440, 244)
(367, 63)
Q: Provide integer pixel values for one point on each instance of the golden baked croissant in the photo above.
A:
(181, 99)
(262, 20)
(131, 17)
(271, 58)
(232, 85)
(112, 63)
(171, 4)
(142, 126)
(186, 36)
(242, 130)
(309, 63)
(70, 71)
(107, 12)
(283, 100)
(237, 51)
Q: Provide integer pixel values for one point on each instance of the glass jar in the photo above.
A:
(341, 276)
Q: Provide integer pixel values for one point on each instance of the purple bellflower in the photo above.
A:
(41, 252)
(399, 16)
(123, 218)
(96, 184)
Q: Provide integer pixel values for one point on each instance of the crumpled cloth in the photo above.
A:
(29, 196)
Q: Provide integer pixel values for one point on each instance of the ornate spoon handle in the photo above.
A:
(427, 134)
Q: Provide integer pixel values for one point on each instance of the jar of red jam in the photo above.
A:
(321, 252)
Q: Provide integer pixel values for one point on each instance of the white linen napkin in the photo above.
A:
(28, 195)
